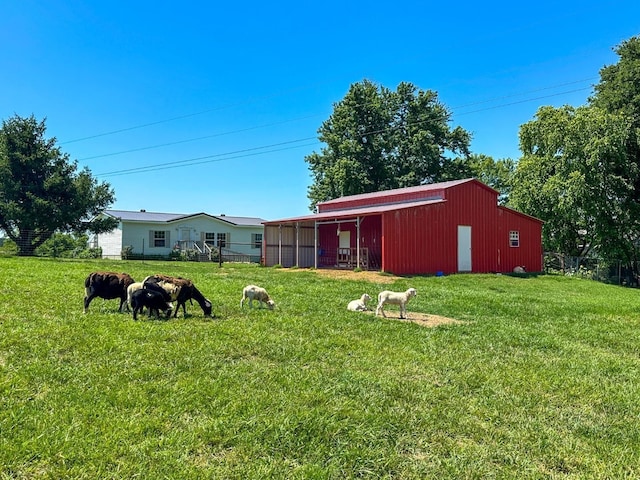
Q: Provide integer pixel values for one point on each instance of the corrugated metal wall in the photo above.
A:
(370, 238)
(424, 240)
(296, 247)
(529, 252)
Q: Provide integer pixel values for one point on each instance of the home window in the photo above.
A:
(256, 240)
(159, 238)
(222, 240)
(210, 238)
(514, 238)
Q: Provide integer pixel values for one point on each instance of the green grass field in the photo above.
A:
(542, 380)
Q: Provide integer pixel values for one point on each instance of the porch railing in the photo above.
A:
(203, 249)
(348, 258)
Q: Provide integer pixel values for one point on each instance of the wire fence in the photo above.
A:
(615, 272)
(67, 246)
(199, 252)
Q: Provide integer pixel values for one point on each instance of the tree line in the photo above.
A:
(579, 169)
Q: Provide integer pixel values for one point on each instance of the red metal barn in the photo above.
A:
(446, 227)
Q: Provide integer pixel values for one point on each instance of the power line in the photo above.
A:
(254, 151)
(178, 142)
(210, 158)
(527, 92)
(172, 119)
(526, 100)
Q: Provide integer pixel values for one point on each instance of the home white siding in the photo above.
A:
(111, 243)
(139, 235)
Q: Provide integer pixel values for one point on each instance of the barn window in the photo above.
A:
(256, 240)
(514, 238)
(159, 238)
(222, 240)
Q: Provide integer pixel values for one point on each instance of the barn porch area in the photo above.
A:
(324, 242)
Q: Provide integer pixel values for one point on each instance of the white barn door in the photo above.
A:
(344, 249)
(344, 239)
(464, 248)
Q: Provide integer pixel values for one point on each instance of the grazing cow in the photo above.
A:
(107, 285)
(186, 291)
(152, 299)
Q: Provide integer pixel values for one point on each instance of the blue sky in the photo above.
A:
(218, 103)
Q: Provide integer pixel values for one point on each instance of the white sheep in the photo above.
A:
(134, 287)
(395, 298)
(359, 305)
(253, 292)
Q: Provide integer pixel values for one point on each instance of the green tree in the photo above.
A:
(580, 166)
(575, 176)
(619, 87)
(41, 191)
(618, 92)
(68, 246)
(377, 139)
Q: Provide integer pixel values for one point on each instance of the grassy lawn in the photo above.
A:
(541, 380)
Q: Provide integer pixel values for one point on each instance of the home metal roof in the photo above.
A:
(354, 212)
(158, 217)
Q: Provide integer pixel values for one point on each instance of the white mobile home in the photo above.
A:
(142, 233)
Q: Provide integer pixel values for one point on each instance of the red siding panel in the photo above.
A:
(425, 240)
(528, 253)
(370, 238)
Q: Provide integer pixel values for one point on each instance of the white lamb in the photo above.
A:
(395, 298)
(359, 305)
(253, 292)
(134, 287)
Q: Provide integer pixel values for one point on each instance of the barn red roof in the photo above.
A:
(354, 212)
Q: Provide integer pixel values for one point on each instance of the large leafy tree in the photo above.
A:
(377, 139)
(580, 170)
(41, 191)
(575, 175)
(619, 87)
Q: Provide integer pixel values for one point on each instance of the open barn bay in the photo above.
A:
(538, 378)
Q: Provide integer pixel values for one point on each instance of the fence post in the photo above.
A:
(619, 272)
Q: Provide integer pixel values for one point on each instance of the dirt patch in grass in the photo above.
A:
(368, 276)
(422, 319)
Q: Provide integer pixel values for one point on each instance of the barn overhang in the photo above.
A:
(336, 217)
(350, 213)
